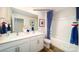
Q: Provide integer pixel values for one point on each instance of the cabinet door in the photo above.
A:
(11, 49)
(33, 45)
(40, 43)
(37, 43)
(24, 47)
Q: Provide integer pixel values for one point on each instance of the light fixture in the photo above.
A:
(41, 9)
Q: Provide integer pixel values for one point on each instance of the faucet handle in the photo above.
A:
(17, 33)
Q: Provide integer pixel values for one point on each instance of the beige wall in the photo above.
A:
(5, 12)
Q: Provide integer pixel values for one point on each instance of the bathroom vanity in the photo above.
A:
(23, 42)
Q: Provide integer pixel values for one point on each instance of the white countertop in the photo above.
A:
(13, 36)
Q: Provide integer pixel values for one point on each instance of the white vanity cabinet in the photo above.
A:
(33, 45)
(37, 43)
(20, 48)
(30, 44)
(25, 47)
(40, 43)
(16, 46)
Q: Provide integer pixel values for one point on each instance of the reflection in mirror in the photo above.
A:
(23, 21)
(18, 25)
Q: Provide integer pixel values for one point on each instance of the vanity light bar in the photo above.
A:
(41, 9)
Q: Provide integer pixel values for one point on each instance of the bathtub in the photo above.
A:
(65, 46)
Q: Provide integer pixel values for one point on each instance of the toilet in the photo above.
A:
(47, 43)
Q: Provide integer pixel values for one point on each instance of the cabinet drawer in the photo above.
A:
(11, 49)
(13, 43)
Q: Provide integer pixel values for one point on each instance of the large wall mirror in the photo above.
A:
(21, 21)
(18, 24)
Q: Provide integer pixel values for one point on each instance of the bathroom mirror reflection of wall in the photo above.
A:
(34, 22)
(21, 21)
(18, 25)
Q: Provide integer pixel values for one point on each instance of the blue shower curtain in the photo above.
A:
(49, 22)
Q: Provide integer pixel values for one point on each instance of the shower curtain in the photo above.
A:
(49, 22)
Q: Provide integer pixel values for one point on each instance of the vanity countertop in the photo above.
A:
(14, 36)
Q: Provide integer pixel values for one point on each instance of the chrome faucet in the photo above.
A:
(17, 33)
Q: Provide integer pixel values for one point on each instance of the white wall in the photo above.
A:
(62, 23)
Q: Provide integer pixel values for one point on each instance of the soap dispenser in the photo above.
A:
(32, 26)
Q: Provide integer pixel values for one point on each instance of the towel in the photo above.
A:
(74, 35)
(4, 28)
